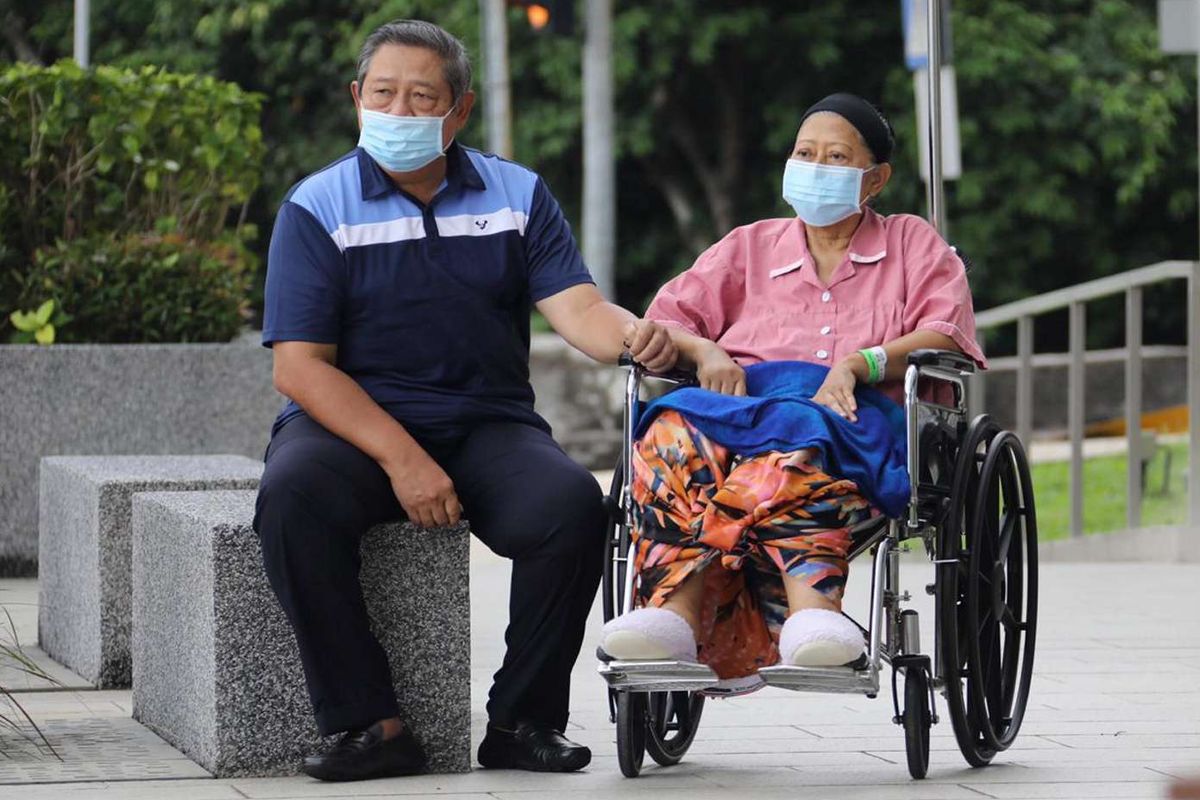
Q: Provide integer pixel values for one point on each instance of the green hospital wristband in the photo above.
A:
(872, 366)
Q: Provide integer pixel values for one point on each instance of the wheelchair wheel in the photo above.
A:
(1002, 592)
(631, 732)
(954, 543)
(616, 546)
(673, 721)
(917, 721)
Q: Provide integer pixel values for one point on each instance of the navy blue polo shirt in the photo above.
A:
(428, 304)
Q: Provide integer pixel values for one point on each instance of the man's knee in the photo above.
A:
(562, 515)
(573, 513)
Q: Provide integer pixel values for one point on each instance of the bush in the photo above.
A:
(140, 288)
(103, 157)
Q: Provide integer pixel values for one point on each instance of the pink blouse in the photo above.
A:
(756, 293)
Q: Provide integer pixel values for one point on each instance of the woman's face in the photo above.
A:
(827, 138)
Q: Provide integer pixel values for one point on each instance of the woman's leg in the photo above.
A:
(798, 519)
(675, 471)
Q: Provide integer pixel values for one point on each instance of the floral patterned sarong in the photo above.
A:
(740, 520)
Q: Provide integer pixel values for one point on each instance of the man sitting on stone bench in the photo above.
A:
(399, 285)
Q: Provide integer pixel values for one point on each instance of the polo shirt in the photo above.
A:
(428, 304)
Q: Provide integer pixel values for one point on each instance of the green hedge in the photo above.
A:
(144, 288)
(133, 168)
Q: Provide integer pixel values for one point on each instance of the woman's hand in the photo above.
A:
(650, 345)
(718, 372)
(837, 391)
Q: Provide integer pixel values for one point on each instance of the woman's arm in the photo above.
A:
(715, 370)
(837, 391)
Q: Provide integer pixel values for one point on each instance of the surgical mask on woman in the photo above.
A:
(401, 144)
(822, 194)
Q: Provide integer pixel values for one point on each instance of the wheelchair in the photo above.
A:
(971, 505)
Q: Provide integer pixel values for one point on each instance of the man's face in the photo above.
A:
(409, 81)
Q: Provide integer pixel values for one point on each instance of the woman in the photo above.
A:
(747, 488)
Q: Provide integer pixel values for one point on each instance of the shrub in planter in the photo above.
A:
(105, 152)
(144, 288)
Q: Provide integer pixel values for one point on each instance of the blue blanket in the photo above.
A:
(779, 414)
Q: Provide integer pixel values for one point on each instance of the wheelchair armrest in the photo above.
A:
(946, 359)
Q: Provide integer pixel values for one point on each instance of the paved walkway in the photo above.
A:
(1115, 713)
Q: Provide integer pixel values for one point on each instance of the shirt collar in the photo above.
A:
(460, 173)
(867, 246)
(869, 243)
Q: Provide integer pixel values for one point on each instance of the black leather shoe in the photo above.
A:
(534, 747)
(364, 754)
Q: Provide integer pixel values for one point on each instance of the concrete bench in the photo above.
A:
(84, 548)
(216, 669)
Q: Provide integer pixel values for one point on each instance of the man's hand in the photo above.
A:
(718, 372)
(425, 491)
(650, 345)
(837, 391)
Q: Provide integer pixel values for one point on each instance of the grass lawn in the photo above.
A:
(1104, 493)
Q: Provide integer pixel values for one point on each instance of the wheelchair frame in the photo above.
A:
(971, 504)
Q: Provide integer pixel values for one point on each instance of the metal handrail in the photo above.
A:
(1074, 298)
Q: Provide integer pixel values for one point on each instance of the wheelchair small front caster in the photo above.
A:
(631, 732)
(917, 719)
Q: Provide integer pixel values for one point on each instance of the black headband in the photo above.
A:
(869, 120)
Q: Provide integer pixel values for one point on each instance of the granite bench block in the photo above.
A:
(216, 669)
(84, 548)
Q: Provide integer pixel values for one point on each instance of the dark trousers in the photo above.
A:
(525, 499)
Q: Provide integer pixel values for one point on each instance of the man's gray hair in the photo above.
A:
(456, 64)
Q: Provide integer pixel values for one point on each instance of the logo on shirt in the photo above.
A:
(481, 223)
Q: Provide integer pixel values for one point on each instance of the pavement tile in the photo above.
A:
(481, 781)
(126, 790)
(1134, 741)
(639, 788)
(1068, 791)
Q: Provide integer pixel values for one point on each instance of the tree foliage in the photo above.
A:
(1078, 135)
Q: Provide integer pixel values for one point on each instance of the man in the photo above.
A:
(399, 286)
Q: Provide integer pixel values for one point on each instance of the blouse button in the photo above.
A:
(822, 354)
(825, 331)
(826, 297)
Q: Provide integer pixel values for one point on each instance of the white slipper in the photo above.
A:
(648, 634)
(818, 637)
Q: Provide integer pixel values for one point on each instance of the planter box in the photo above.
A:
(179, 399)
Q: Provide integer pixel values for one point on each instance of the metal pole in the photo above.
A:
(82, 20)
(1193, 398)
(933, 189)
(599, 163)
(1025, 380)
(1133, 406)
(1075, 408)
(497, 99)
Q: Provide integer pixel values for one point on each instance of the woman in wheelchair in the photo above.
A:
(748, 486)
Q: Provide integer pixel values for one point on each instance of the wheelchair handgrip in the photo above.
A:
(946, 359)
(682, 376)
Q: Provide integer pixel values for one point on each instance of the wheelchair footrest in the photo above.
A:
(658, 676)
(838, 680)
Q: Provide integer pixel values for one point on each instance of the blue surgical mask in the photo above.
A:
(822, 194)
(401, 144)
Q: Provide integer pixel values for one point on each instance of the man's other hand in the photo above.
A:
(650, 345)
(425, 492)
